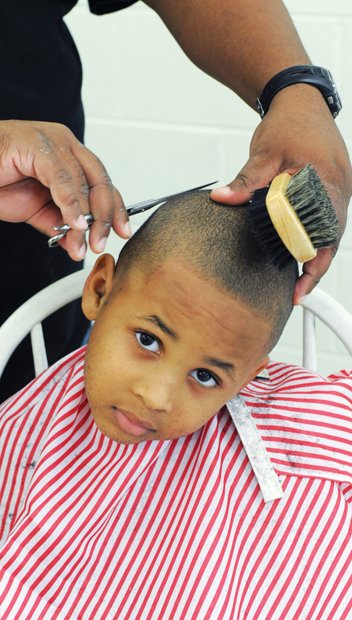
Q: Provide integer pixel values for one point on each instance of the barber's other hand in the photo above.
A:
(298, 129)
(47, 178)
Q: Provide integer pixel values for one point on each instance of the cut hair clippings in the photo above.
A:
(298, 220)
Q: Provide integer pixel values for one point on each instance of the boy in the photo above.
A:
(127, 493)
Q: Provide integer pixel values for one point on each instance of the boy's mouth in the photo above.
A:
(130, 424)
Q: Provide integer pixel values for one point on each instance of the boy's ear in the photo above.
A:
(98, 286)
(256, 370)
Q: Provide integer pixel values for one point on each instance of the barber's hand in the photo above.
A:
(47, 178)
(298, 129)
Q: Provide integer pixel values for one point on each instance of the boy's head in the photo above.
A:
(185, 320)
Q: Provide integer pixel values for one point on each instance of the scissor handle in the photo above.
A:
(62, 231)
(66, 227)
(53, 242)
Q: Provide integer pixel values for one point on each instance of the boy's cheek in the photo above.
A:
(109, 376)
(190, 418)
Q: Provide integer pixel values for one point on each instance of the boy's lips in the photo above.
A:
(130, 424)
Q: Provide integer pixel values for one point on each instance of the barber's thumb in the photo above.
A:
(255, 174)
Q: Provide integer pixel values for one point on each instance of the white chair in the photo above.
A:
(27, 319)
(324, 307)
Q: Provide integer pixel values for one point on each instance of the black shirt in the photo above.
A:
(40, 79)
(41, 73)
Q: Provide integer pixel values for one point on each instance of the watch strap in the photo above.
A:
(301, 74)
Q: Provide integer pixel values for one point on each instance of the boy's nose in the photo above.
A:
(156, 395)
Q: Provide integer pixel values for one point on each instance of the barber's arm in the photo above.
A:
(243, 44)
(48, 177)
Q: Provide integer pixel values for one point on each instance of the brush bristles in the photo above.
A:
(308, 197)
(264, 231)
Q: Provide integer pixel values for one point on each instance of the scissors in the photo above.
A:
(138, 207)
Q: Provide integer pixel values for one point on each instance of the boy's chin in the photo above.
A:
(128, 440)
(109, 423)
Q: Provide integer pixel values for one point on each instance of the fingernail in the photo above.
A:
(127, 229)
(225, 191)
(81, 252)
(81, 223)
(101, 244)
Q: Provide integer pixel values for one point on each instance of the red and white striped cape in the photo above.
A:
(177, 529)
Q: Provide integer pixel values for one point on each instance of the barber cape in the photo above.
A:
(177, 529)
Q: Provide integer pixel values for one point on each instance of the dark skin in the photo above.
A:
(223, 39)
(48, 177)
(298, 128)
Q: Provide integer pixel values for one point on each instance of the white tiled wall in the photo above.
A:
(160, 125)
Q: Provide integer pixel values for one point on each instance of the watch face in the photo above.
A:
(334, 102)
(332, 98)
(260, 108)
(338, 104)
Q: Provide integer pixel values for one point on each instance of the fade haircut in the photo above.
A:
(216, 241)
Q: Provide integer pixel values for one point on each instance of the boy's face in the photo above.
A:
(166, 351)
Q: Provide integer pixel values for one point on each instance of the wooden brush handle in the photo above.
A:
(286, 222)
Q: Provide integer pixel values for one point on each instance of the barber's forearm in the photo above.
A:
(241, 43)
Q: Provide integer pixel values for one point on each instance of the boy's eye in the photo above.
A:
(204, 377)
(148, 342)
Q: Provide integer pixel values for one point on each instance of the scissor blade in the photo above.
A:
(139, 207)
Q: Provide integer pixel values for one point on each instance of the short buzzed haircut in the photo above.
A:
(217, 243)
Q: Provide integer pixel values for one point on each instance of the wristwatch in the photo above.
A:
(301, 74)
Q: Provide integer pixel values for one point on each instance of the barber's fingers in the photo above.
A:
(313, 271)
(51, 161)
(73, 175)
(105, 202)
(257, 172)
(22, 199)
(46, 218)
(82, 186)
(79, 184)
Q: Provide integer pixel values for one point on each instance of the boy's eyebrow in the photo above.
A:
(213, 361)
(156, 320)
(226, 366)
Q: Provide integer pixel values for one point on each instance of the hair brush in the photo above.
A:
(298, 220)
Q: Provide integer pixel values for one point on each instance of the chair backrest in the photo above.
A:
(28, 318)
(321, 305)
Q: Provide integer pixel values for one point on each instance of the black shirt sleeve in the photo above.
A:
(100, 7)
